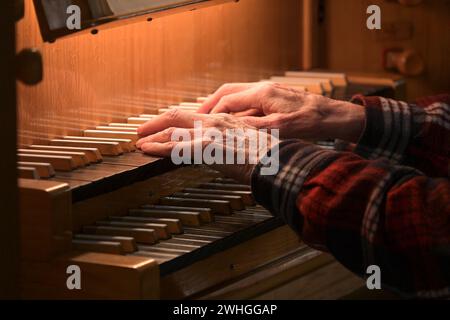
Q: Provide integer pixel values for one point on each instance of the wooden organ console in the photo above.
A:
(137, 226)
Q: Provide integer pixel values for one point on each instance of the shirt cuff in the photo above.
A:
(278, 193)
(388, 128)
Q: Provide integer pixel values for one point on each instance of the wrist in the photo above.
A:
(353, 122)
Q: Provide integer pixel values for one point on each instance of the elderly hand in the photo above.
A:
(222, 140)
(297, 114)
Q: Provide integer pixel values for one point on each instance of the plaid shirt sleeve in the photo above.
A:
(374, 210)
(416, 135)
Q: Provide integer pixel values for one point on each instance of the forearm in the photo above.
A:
(364, 213)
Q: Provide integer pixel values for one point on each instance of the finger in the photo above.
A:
(267, 122)
(157, 149)
(165, 136)
(238, 102)
(173, 134)
(249, 113)
(224, 90)
(172, 118)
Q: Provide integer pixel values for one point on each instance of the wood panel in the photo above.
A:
(350, 46)
(9, 221)
(132, 69)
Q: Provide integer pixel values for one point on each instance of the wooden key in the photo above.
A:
(28, 173)
(60, 163)
(163, 110)
(93, 154)
(126, 144)
(108, 128)
(149, 116)
(318, 89)
(147, 236)
(191, 104)
(173, 225)
(246, 196)
(45, 170)
(205, 213)
(326, 83)
(184, 108)
(98, 246)
(79, 158)
(125, 125)
(202, 99)
(319, 86)
(105, 148)
(338, 79)
(161, 230)
(236, 202)
(122, 276)
(187, 218)
(216, 206)
(225, 186)
(137, 120)
(128, 244)
(133, 136)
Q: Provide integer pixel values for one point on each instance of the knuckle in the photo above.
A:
(226, 86)
(171, 144)
(169, 131)
(276, 123)
(173, 114)
(268, 88)
(225, 99)
(224, 102)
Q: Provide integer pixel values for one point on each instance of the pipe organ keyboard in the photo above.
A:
(68, 153)
(115, 211)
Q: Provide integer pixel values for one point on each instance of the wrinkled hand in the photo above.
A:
(297, 114)
(173, 134)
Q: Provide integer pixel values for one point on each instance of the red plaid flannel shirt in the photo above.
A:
(386, 203)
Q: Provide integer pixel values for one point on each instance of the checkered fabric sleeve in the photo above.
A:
(376, 209)
(416, 135)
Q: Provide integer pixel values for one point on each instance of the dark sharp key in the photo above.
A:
(240, 219)
(183, 240)
(225, 180)
(190, 242)
(208, 231)
(164, 250)
(187, 218)
(198, 236)
(128, 243)
(161, 230)
(174, 225)
(236, 202)
(177, 246)
(224, 186)
(246, 196)
(216, 206)
(205, 213)
(140, 235)
(176, 208)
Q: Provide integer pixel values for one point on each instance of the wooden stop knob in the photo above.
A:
(406, 61)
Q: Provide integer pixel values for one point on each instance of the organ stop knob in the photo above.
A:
(406, 61)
